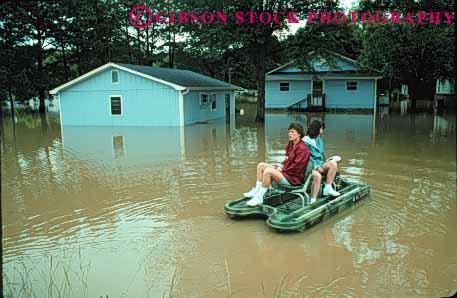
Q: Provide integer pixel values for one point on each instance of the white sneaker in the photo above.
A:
(254, 190)
(312, 200)
(329, 191)
(251, 193)
(256, 200)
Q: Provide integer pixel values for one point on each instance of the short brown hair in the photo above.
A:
(314, 128)
(298, 127)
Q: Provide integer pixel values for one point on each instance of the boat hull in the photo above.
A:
(288, 211)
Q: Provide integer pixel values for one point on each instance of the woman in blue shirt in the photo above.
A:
(316, 148)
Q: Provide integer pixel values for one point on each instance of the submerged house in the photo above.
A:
(134, 95)
(333, 82)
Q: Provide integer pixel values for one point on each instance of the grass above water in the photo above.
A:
(55, 278)
(58, 279)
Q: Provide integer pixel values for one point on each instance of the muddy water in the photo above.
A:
(138, 212)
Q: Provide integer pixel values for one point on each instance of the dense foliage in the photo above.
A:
(46, 43)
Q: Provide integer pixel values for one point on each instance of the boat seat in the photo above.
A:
(298, 190)
(302, 189)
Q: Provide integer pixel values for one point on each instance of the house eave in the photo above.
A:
(277, 70)
(281, 67)
(309, 77)
(352, 78)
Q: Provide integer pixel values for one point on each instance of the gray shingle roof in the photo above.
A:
(185, 78)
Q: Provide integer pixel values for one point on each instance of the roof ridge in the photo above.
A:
(193, 80)
(335, 54)
(179, 79)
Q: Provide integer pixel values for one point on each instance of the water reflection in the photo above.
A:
(149, 201)
(443, 126)
(130, 146)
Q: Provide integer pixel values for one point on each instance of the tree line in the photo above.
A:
(45, 43)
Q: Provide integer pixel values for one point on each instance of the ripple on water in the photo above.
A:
(166, 209)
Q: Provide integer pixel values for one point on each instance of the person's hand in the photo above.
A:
(277, 168)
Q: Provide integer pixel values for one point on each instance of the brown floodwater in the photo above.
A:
(138, 211)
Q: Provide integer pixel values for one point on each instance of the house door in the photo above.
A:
(318, 88)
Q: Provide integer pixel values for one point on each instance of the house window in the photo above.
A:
(116, 105)
(283, 86)
(351, 85)
(213, 102)
(114, 76)
(445, 86)
(204, 101)
(118, 146)
(404, 89)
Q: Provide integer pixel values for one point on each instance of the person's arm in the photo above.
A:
(284, 162)
(323, 148)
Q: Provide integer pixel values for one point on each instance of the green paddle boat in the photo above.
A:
(288, 208)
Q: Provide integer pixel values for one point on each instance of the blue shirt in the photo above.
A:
(316, 148)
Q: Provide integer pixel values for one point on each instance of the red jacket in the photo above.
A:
(297, 158)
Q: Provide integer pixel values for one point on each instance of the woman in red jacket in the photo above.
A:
(292, 173)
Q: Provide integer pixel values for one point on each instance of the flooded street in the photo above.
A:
(138, 211)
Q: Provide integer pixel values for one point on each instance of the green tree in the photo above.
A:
(256, 40)
(322, 39)
(33, 23)
(417, 54)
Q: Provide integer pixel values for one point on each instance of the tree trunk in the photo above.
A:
(173, 50)
(227, 69)
(390, 90)
(138, 40)
(78, 55)
(170, 49)
(110, 36)
(42, 108)
(413, 87)
(260, 77)
(10, 93)
(152, 43)
(2, 134)
(147, 42)
(64, 60)
(41, 78)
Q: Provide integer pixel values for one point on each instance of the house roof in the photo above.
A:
(335, 65)
(179, 79)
